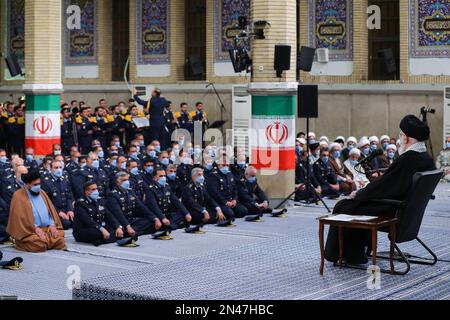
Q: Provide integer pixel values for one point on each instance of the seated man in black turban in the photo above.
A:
(394, 184)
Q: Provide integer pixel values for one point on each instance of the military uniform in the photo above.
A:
(185, 121)
(90, 217)
(31, 165)
(139, 186)
(129, 210)
(80, 177)
(300, 178)
(169, 128)
(9, 185)
(200, 116)
(86, 128)
(103, 132)
(15, 129)
(222, 187)
(155, 107)
(184, 172)
(60, 193)
(176, 186)
(325, 176)
(4, 216)
(238, 171)
(166, 205)
(249, 195)
(67, 134)
(197, 200)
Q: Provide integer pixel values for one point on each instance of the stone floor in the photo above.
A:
(274, 259)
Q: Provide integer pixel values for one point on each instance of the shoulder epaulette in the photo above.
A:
(78, 120)
(177, 114)
(21, 120)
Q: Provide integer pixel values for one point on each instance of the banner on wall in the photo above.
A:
(331, 26)
(80, 44)
(226, 26)
(429, 27)
(152, 32)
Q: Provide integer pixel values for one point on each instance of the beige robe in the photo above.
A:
(21, 225)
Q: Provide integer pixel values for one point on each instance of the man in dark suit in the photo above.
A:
(155, 107)
(394, 184)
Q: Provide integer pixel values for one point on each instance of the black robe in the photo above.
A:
(394, 184)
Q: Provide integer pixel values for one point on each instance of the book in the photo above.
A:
(347, 217)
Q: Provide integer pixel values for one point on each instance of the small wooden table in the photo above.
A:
(372, 225)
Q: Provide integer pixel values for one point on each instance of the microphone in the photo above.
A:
(370, 157)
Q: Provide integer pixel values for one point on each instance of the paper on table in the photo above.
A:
(347, 217)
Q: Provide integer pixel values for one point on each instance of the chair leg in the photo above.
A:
(425, 261)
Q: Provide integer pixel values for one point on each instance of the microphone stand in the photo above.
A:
(222, 106)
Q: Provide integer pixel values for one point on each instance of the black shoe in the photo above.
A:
(162, 235)
(279, 213)
(256, 218)
(14, 264)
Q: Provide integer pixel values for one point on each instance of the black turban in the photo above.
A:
(31, 176)
(414, 128)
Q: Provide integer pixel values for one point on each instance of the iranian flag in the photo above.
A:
(42, 123)
(273, 132)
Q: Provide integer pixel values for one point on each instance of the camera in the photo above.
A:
(425, 110)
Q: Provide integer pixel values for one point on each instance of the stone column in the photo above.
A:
(43, 84)
(274, 99)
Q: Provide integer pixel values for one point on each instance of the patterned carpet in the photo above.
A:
(275, 259)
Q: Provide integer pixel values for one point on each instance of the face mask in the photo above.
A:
(117, 144)
(58, 173)
(325, 160)
(29, 157)
(197, 150)
(191, 151)
(353, 162)
(447, 145)
(96, 164)
(142, 143)
(138, 149)
(208, 166)
(242, 165)
(390, 155)
(317, 153)
(3, 159)
(125, 185)
(152, 154)
(211, 153)
(366, 151)
(172, 176)
(95, 195)
(134, 171)
(176, 151)
(165, 161)
(134, 155)
(123, 166)
(158, 148)
(57, 152)
(36, 189)
(373, 147)
(225, 170)
(336, 154)
(149, 170)
(101, 154)
(350, 147)
(114, 163)
(385, 145)
(252, 180)
(162, 181)
(200, 179)
(298, 149)
(76, 161)
(186, 161)
(181, 142)
(83, 165)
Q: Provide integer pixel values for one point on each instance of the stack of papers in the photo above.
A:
(347, 217)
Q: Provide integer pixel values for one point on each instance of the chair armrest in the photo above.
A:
(393, 202)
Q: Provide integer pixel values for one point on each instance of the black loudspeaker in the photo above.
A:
(308, 101)
(282, 58)
(13, 65)
(195, 64)
(387, 56)
(306, 58)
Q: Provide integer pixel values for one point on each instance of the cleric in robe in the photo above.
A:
(33, 221)
(394, 184)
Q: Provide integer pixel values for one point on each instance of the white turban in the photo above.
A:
(301, 140)
(354, 151)
(363, 142)
(340, 138)
(335, 145)
(374, 139)
(352, 139)
(324, 144)
(391, 147)
(324, 138)
(385, 137)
